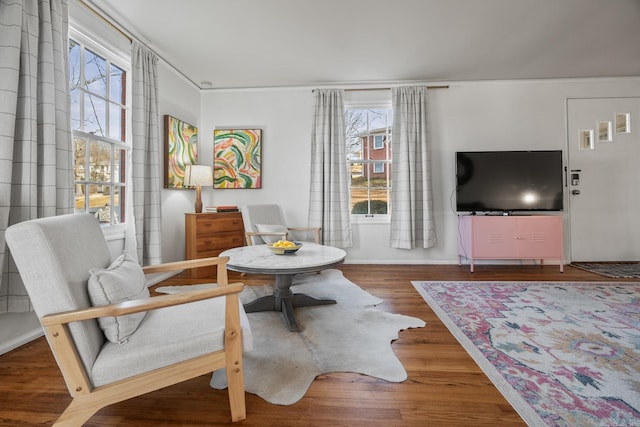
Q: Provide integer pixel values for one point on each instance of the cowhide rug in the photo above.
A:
(350, 336)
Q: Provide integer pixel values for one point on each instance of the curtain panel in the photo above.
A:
(412, 222)
(146, 151)
(329, 194)
(36, 166)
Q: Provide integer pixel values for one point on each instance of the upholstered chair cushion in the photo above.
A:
(271, 228)
(164, 337)
(122, 281)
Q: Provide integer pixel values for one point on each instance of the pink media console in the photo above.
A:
(510, 237)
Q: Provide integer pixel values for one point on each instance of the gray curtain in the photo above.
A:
(36, 168)
(146, 151)
(329, 196)
(411, 199)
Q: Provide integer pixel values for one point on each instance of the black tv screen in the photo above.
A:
(506, 181)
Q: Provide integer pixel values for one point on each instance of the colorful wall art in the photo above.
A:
(180, 148)
(236, 158)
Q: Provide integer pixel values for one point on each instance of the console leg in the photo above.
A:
(302, 300)
(267, 303)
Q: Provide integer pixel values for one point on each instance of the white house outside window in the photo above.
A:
(369, 150)
(99, 120)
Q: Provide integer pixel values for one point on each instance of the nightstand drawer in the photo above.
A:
(224, 241)
(212, 225)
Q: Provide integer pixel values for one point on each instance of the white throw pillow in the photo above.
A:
(123, 281)
(271, 228)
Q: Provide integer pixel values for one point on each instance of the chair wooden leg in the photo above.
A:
(235, 381)
(235, 370)
(77, 413)
(235, 376)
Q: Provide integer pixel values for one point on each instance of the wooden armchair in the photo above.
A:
(265, 224)
(176, 338)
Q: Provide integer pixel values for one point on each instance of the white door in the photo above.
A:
(604, 178)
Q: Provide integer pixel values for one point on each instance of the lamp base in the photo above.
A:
(198, 205)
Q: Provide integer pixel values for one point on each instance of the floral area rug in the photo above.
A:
(563, 354)
(626, 270)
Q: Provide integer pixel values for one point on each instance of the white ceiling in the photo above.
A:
(265, 43)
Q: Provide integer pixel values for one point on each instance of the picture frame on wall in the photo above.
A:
(237, 158)
(180, 150)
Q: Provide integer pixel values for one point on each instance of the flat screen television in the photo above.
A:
(508, 181)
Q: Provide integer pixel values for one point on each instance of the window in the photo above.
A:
(369, 154)
(98, 119)
(378, 142)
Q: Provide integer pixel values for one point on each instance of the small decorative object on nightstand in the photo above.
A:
(197, 176)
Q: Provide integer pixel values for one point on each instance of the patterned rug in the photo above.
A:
(620, 270)
(563, 354)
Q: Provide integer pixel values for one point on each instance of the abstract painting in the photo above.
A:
(237, 158)
(180, 148)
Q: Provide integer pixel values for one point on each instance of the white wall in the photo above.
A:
(489, 115)
(181, 99)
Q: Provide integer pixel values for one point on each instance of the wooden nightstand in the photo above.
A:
(208, 234)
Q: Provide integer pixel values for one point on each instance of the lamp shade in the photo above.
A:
(195, 175)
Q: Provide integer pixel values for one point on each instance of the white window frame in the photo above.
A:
(123, 61)
(378, 142)
(369, 104)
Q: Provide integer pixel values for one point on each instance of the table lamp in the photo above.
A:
(197, 176)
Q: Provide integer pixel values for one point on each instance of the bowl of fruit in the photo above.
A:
(284, 247)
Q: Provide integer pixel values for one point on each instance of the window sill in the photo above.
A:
(114, 232)
(374, 219)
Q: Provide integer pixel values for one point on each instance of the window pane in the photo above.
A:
(74, 64)
(117, 211)
(75, 108)
(95, 73)
(100, 162)
(80, 202)
(118, 165)
(117, 86)
(378, 168)
(379, 119)
(97, 198)
(359, 187)
(80, 150)
(108, 213)
(116, 125)
(95, 115)
(378, 141)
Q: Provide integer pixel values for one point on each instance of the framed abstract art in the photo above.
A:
(237, 158)
(180, 149)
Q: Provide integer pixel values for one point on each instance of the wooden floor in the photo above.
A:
(444, 388)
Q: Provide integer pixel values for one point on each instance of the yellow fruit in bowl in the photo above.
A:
(284, 244)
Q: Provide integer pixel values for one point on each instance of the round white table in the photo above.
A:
(260, 260)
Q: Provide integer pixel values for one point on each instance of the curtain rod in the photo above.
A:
(388, 88)
(91, 9)
(106, 18)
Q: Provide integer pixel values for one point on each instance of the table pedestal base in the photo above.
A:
(284, 300)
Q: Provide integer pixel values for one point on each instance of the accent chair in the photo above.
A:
(265, 224)
(110, 339)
